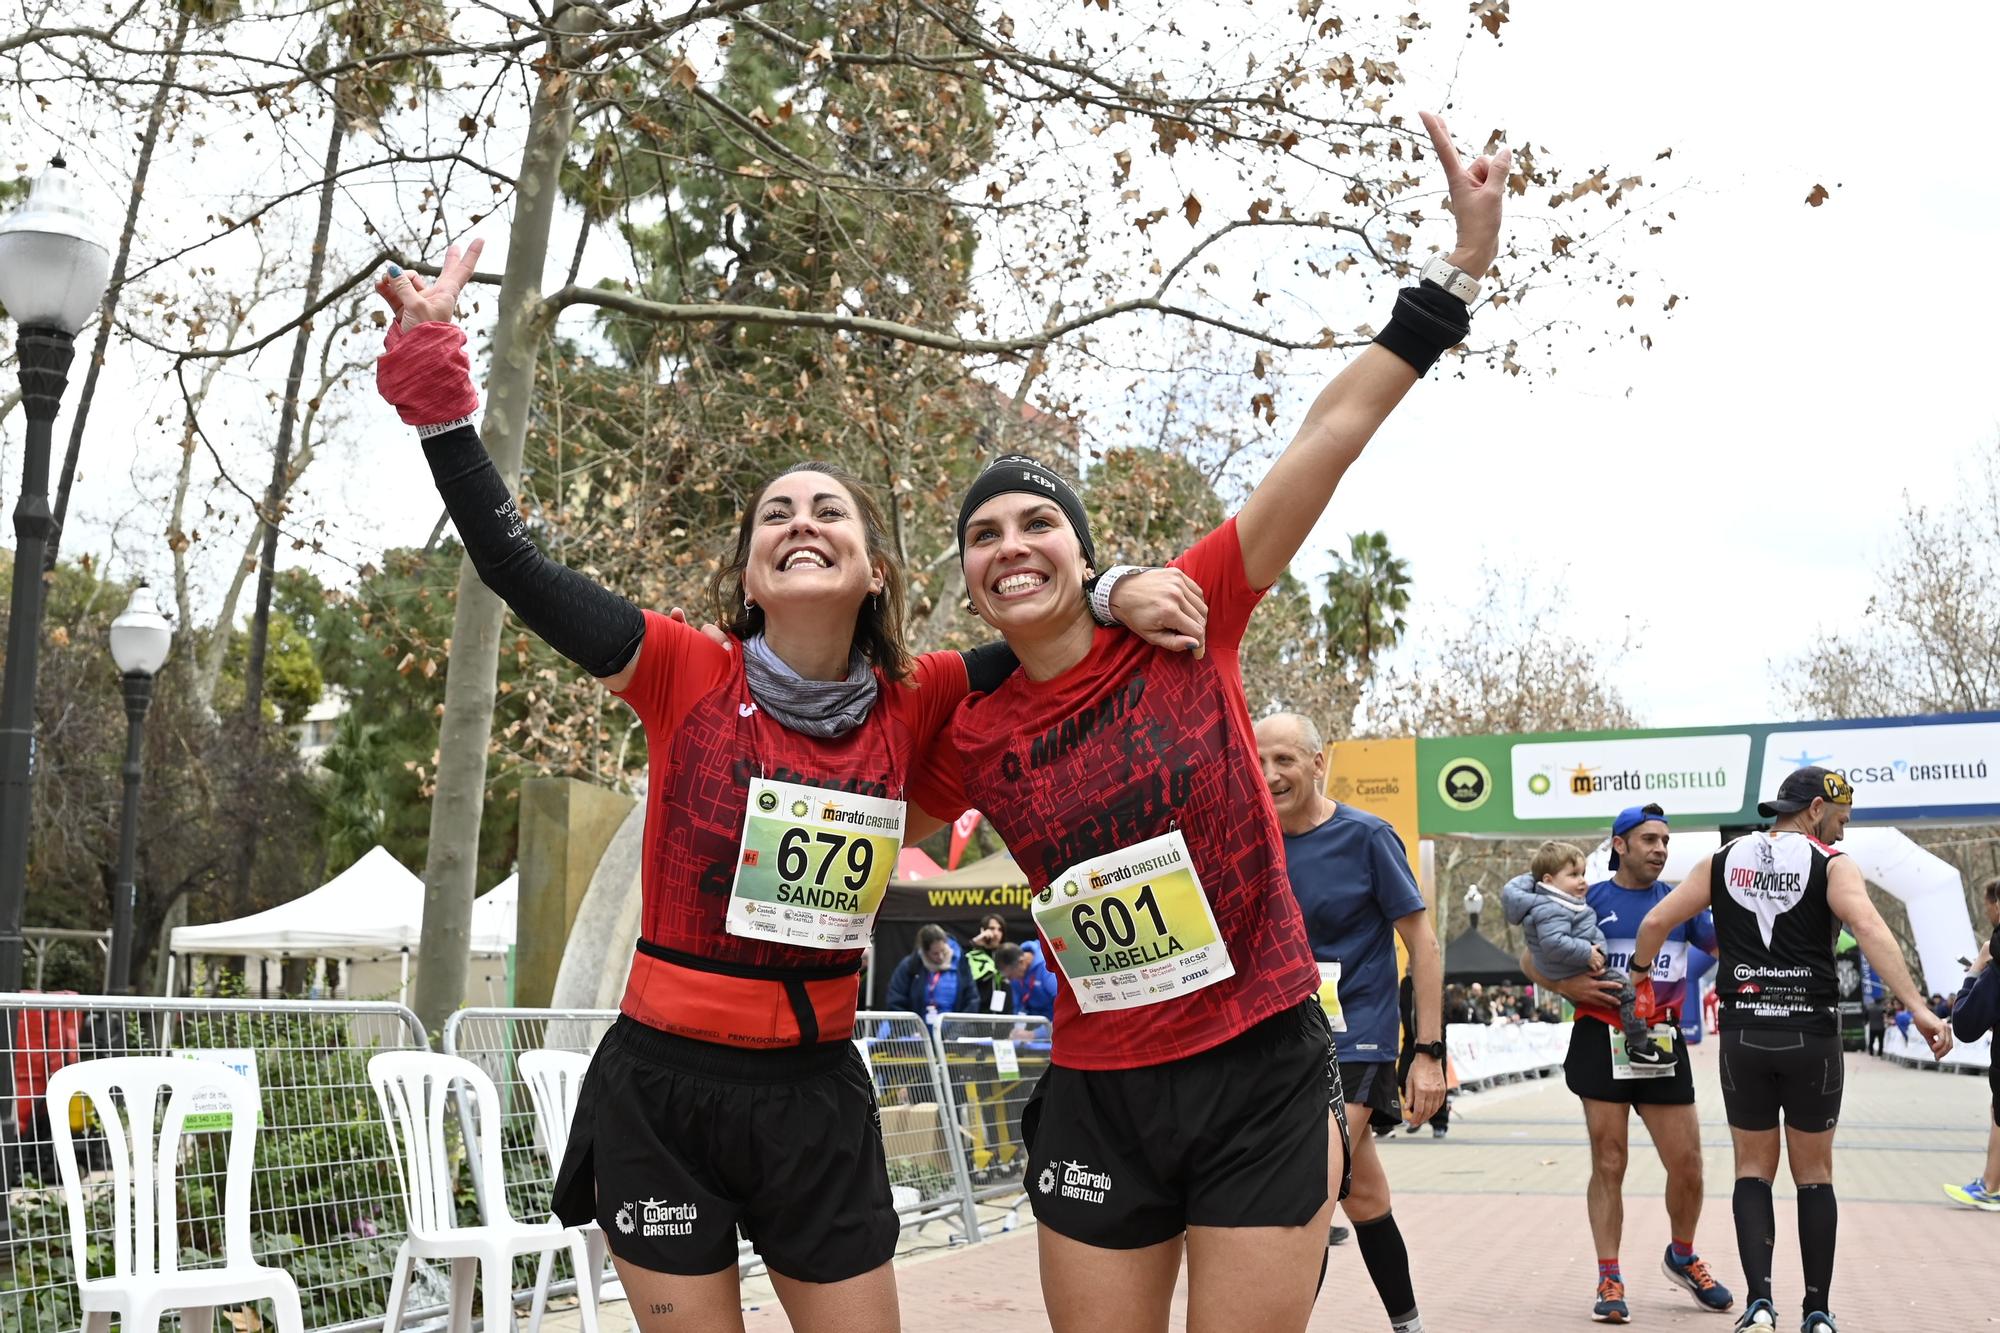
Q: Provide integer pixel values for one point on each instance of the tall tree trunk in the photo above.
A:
(444, 953)
(281, 452)
(115, 288)
(274, 495)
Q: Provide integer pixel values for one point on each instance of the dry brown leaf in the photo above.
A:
(1818, 196)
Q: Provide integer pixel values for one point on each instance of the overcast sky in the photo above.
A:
(1822, 361)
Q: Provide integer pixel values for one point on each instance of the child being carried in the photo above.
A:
(1564, 939)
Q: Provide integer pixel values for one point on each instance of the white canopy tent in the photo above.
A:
(373, 911)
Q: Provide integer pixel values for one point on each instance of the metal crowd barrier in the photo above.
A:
(921, 1134)
(326, 1205)
(991, 1062)
(326, 1202)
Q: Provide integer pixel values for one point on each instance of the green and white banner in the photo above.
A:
(1942, 767)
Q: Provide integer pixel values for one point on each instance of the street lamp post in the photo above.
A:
(53, 269)
(140, 639)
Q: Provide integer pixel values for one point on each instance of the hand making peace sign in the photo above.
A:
(417, 301)
(1476, 194)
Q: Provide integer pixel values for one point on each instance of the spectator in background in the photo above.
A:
(935, 979)
(1902, 1021)
(992, 934)
(1456, 1008)
(1977, 1013)
(1030, 983)
(1877, 1019)
(1474, 902)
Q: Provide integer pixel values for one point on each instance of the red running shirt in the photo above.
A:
(1131, 742)
(706, 738)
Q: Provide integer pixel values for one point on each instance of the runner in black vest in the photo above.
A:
(1780, 898)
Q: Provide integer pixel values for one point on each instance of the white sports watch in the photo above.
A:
(1452, 278)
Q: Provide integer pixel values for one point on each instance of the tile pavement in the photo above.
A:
(1495, 1222)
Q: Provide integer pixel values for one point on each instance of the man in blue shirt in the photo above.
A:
(1355, 890)
(1639, 838)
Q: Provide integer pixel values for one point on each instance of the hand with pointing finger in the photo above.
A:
(419, 301)
(1477, 190)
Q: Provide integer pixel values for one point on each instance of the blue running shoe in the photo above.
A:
(1975, 1195)
(1610, 1307)
(1818, 1322)
(1694, 1277)
(1760, 1316)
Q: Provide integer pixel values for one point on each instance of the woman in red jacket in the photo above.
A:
(728, 1093)
(1191, 1085)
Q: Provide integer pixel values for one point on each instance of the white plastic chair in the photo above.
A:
(554, 1080)
(146, 1279)
(414, 1088)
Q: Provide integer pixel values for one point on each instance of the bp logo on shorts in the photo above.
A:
(1465, 783)
(767, 800)
(1046, 1182)
(626, 1223)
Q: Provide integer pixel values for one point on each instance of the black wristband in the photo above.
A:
(590, 625)
(1429, 321)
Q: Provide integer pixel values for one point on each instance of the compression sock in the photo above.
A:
(1682, 1250)
(1608, 1268)
(1819, 1227)
(1756, 1233)
(1388, 1261)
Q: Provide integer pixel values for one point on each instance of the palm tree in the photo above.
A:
(1367, 591)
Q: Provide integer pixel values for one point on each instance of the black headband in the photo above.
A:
(1019, 474)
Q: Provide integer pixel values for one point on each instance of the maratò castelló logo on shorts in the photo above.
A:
(1465, 783)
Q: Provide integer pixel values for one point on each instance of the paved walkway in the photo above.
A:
(1494, 1218)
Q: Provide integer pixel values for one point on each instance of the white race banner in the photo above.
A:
(1596, 779)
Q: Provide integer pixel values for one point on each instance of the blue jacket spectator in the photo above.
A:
(1976, 1012)
(1032, 983)
(938, 976)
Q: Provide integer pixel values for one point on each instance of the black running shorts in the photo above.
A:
(677, 1143)
(1587, 1071)
(1372, 1085)
(1233, 1137)
(1768, 1070)
(1993, 1082)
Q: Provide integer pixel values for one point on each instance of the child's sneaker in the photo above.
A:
(1647, 1052)
(1818, 1322)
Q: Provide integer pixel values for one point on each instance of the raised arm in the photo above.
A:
(426, 375)
(1847, 895)
(1428, 320)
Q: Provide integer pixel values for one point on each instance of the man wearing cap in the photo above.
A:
(1639, 838)
(1779, 899)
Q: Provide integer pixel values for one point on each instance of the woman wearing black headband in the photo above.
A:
(729, 1093)
(1191, 1085)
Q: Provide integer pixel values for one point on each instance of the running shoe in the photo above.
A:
(1695, 1278)
(1336, 1236)
(1610, 1307)
(1818, 1322)
(1974, 1195)
(1761, 1315)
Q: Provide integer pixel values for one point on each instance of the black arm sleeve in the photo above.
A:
(989, 664)
(590, 625)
